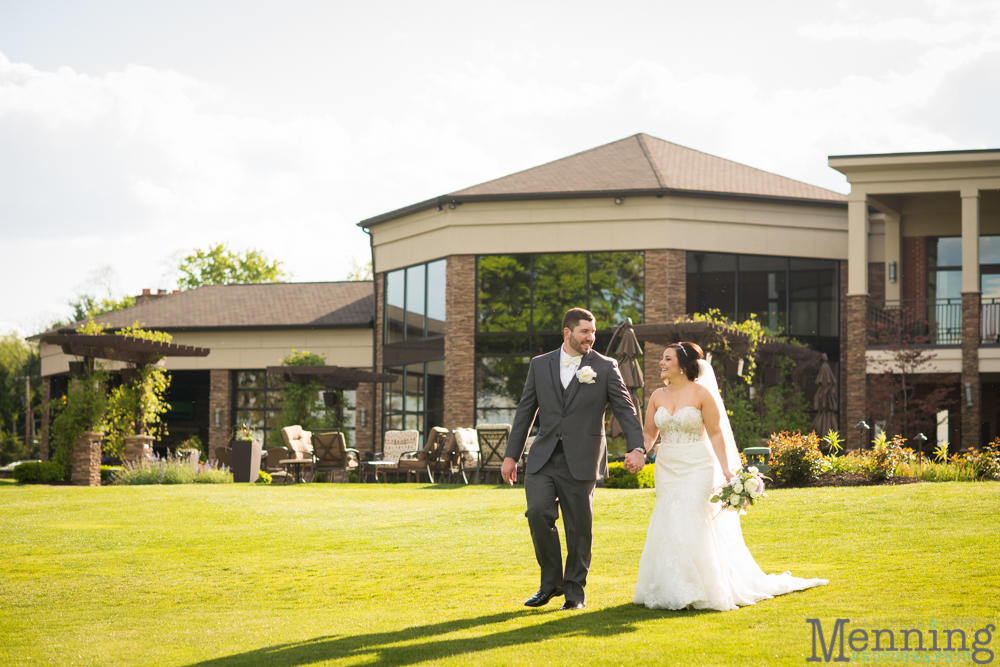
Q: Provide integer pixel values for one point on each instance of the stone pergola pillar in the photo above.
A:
(971, 306)
(460, 342)
(219, 410)
(665, 300)
(854, 363)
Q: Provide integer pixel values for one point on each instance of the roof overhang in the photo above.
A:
(453, 201)
(912, 161)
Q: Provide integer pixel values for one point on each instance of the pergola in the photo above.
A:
(138, 351)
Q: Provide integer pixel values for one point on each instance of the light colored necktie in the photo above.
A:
(572, 361)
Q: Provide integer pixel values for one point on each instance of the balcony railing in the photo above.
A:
(915, 321)
(928, 321)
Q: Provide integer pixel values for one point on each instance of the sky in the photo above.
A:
(133, 132)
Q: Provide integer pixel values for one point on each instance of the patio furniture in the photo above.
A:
(452, 460)
(422, 462)
(333, 456)
(278, 472)
(467, 443)
(299, 445)
(492, 444)
(758, 456)
(394, 445)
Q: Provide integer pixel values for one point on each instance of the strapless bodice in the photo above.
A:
(685, 425)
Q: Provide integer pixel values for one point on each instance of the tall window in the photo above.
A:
(258, 402)
(944, 267)
(787, 295)
(415, 302)
(520, 305)
(416, 401)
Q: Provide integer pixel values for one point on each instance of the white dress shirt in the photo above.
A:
(566, 373)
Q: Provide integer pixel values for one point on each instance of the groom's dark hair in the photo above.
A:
(573, 316)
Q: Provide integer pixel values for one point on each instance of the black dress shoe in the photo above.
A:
(542, 597)
(570, 604)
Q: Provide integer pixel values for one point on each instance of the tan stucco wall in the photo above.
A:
(250, 349)
(640, 223)
(945, 360)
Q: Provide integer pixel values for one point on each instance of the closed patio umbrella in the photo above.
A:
(825, 401)
(627, 353)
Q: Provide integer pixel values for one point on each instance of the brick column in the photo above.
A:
(460, 342)
(43, 440)
(376, 401)
(854, 374)
(87, 460)
(363, 406)
(665, 301)
(970, 369)
(219, 398)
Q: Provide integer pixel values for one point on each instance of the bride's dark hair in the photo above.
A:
(688, 355)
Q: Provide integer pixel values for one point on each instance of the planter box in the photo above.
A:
(87, 459)
(138, 447)
(246, 460)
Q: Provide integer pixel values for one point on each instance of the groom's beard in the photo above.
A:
(578, 347)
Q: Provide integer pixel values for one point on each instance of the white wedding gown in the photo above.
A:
(695, 556)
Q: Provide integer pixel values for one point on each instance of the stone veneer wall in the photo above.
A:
(842, 380)
(363, 401)
(87, 460)
(460, 342)
(876, 280)
(913, 267)
(854, 374)
(665, 300)
(970, 369)
(376, 416)
(43, 454)
(220, 397)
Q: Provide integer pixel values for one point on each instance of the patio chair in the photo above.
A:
(452, 460)
(467, 443)
(492, 444)
(277, 471)
(422, 462)
(394, 445)
(333, 456)
(299, 445)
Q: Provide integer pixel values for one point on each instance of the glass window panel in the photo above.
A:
(989, 249)
(395, 301)
(435, 297)
(395, 422)
(946, 285)
(504, 292)
(495, 416)
(249, 399)
(414, 401)
(275, 399)
(255, 418)
(948, 251)
(415, 283)
(249, 379)
(617, 286)
(435, 385)
(763, 290)
(711, 283)
(990, 285)
(796, 264)
(560, 283)
(272, 418)
(501, 381)
(804, 318)
(350, 407)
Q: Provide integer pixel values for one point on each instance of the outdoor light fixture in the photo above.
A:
(363, 416)
(892, 272)
(968, 395)
(920, 438)
(618, 201)
(862, 425)
(218, 417)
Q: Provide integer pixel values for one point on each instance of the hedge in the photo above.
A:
(46, 471)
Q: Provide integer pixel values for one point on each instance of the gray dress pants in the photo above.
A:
(548, 490)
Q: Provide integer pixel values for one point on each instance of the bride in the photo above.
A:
(695, 556)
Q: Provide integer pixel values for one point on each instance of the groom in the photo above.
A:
(567, 392)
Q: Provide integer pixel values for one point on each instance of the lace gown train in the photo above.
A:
(693, 558)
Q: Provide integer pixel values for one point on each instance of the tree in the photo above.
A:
(220, 266)
(17, 360)
(360, 272)
(97, 296)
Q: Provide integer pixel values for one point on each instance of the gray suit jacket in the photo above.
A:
(578, 420)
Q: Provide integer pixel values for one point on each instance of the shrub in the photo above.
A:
(263, 477)
(108, 473)
(795, 457)
(170, 471)
(987, 461)
(619, 478)
(209, 473)
(886, 457)
(43, 471)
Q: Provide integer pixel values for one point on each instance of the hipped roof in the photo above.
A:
(639, 165)
(259, 306)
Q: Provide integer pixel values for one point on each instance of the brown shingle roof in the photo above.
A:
(636, 165)
(277, 305)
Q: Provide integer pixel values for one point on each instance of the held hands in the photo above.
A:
(634, 461)
(509, 471)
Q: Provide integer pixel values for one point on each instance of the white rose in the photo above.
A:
(734, 501)
(754, 493)
(750, 485)
(737, 486)
(752, 469)
(586, 375)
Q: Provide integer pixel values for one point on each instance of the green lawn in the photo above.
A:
(333, 574)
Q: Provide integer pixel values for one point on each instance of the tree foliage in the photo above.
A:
(302, 404)
(17, 360)
(220, 266)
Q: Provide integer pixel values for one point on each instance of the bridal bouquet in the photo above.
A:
(741, 491)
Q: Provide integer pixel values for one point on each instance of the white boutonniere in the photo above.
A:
(586, 375)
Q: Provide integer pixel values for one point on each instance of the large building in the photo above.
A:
(470, 285)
